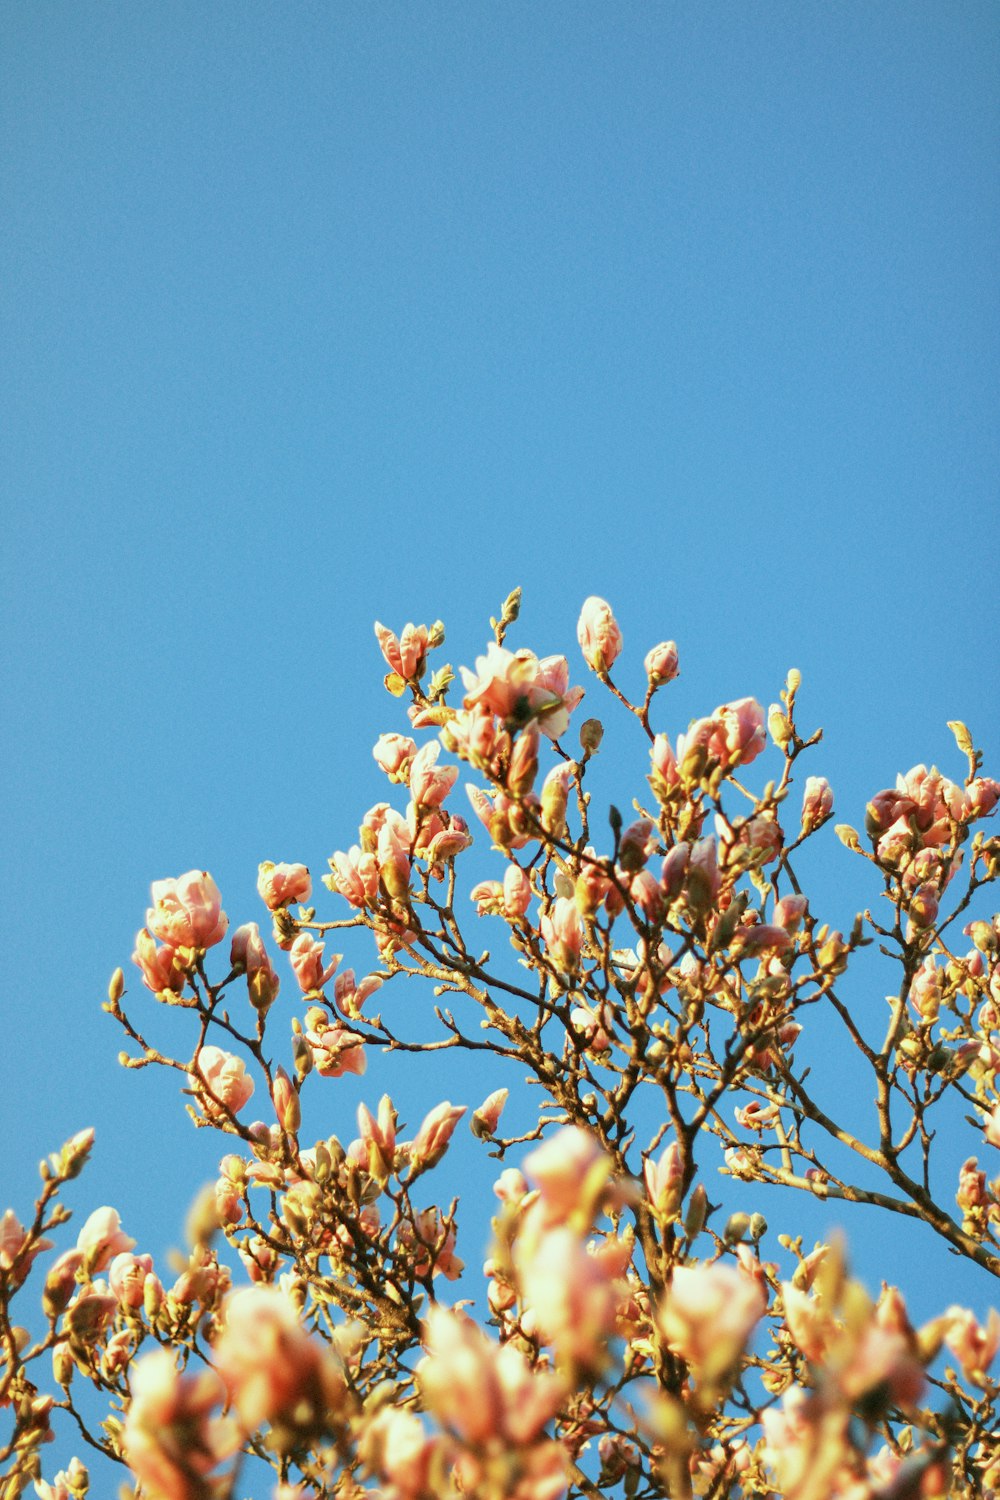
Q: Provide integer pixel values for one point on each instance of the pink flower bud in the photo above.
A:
(599, 636)
(249, 954)
(562, 933)
(664, 776)
(982, 796)
(379, 1137)
(431, 1141)
(789, 912)
(664, 1182)
(817, 803)
(661, 663)
(101, 1239)
(280, 885)
(286, 1102)
(17, 1249)
(486, 1118)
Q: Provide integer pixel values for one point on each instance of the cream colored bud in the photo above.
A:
(793, 681)
(736, 1228)
(511, 607)
(778, 726)
(435, 636)
(116, 988)
(848, 836)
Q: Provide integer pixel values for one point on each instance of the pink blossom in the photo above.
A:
(393, 753)
(511, 1186)
(127, 1277)
(406, 655)
(101, 1239)
(161, 972)
(60, 1282)
(664, 776)
(280, 885)
(518, 688)
(397, 1448)
(336, 1052)
(661, 663)
(704, 879)
(351, 996)
(974, 1346)
(224, 1081)
(431, 1243)
(306, 958)
(273, 1370)
(187, 912)
(562, 933)
(925, 990)
(817, 803)
(516, 891)
(982, 795)
(171, 1440)
(249, 955)
(378, 1137)
(394, 856)
(285, 1098)
(707, 1315)
(523, 767)
(482, 1391)
(647, 894)
(992, 1126)
(757, 1115)
(429, 782)
(17, 1249)
(733, 736)
(573, 1292)
(599, 636)
(355, 876)
(664, 1182)
(486, 1118)
(431, 1141)
(561, 1167)
(789, 912)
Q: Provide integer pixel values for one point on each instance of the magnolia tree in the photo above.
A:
(626, 1335)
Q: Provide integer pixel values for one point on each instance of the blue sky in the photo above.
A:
(315, 314)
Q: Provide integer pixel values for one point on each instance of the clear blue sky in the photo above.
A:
(317, 314)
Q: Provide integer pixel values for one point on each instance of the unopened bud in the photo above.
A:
(591, 735)
(778, 726)
(758, 1227)
(736, 1227)
(63, 1364)
(793, 681)
(116, 987)
(848, 836)
(435, 636)
(697, 1212)
(511, 607)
